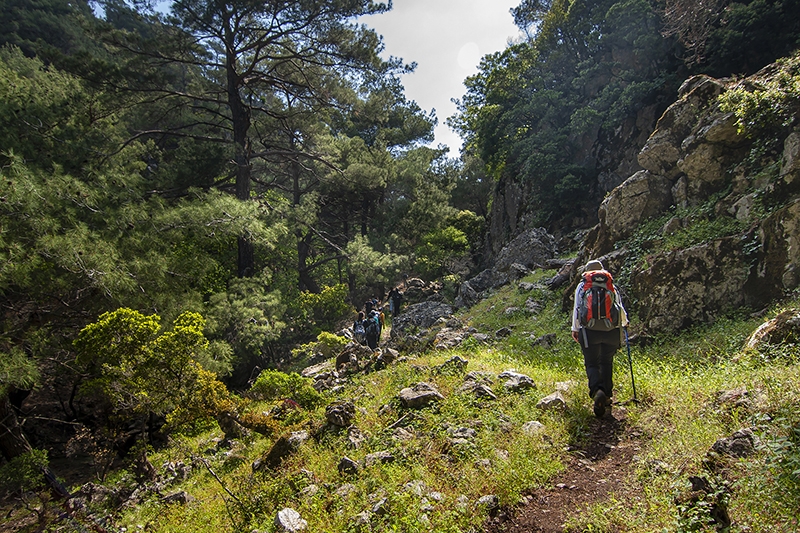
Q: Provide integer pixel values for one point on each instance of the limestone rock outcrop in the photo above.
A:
(699, 160)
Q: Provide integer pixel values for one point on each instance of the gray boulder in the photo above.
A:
(290, 521)
(555, 402)
(419, 395)
(341, 413)
(784, 328)
(285, 446)
(419, 316)
(530, 249)
(740, 444)
(516, 382)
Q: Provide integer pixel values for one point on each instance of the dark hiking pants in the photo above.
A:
(598, 349)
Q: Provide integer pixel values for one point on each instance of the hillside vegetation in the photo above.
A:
(456, 463)
(193, 204)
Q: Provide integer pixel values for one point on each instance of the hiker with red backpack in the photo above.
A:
(598, 322)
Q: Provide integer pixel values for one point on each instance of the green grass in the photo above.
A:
(678, 380)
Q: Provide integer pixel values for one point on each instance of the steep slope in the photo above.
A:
(716, 205)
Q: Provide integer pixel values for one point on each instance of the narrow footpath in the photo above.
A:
(597, 468)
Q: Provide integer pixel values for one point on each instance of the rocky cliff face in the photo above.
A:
(699, 168)
(612, 153)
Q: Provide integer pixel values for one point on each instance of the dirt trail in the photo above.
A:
(596, 469)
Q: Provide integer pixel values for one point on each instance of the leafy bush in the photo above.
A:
(784, 454)
(276, 385)
(137, 368)
(438, 248)
(327, 345)
(325, 309)
(769, 105)
(24, 472)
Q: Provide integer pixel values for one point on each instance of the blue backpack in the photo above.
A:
(373, 327)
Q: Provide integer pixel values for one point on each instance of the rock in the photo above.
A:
(381, 507)
(784, 328)
(517, 271)
(383, 457)
(489, 502)
(662, 151)
(467, 296)
(290, 521)
(642, 196)
(530, 249)
(315, 370)
(561, 277)
(699, 286)
(478, 377)
(355, 438)
(178, 471)
(481, 337)
(516, 382)
(479, 390)
(546, 341)
(310, 491)
(284, 447)
(353, 355)
(231, 427)
(346, 489)
(455, 364)
(462, 433)
(341, 413)
(738, 397)
(419, 316)
(361, 520)
(533, 307)
(386, 357)
(348, 466)
(404, 434)
(740, 444)
(503, 332)
(474, 290)
(790, 162)
(420, 395)
(554, 401)
(532, 428)
(415, 283)
(182, 497)
(488, 279)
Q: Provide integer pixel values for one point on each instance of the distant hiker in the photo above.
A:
(369, 305)
(395, 301)
(372, 329)
(359, 332)
(381, 318)
(597, 321)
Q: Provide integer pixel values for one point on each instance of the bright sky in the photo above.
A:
(447, 39)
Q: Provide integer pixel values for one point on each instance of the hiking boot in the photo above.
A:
(600, 403)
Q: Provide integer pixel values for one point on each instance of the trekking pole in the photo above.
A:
(630, 364)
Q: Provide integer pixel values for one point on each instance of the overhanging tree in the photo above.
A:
(255, 57)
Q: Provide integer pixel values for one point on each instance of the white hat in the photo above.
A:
(594, 264)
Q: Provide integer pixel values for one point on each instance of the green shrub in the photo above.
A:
(440, 247)
(23, 473)
(769, 105)
(326, 308)
(276, 385)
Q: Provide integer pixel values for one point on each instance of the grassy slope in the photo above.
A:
(678, 380)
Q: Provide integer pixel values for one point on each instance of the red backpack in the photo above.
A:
(598, 308)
